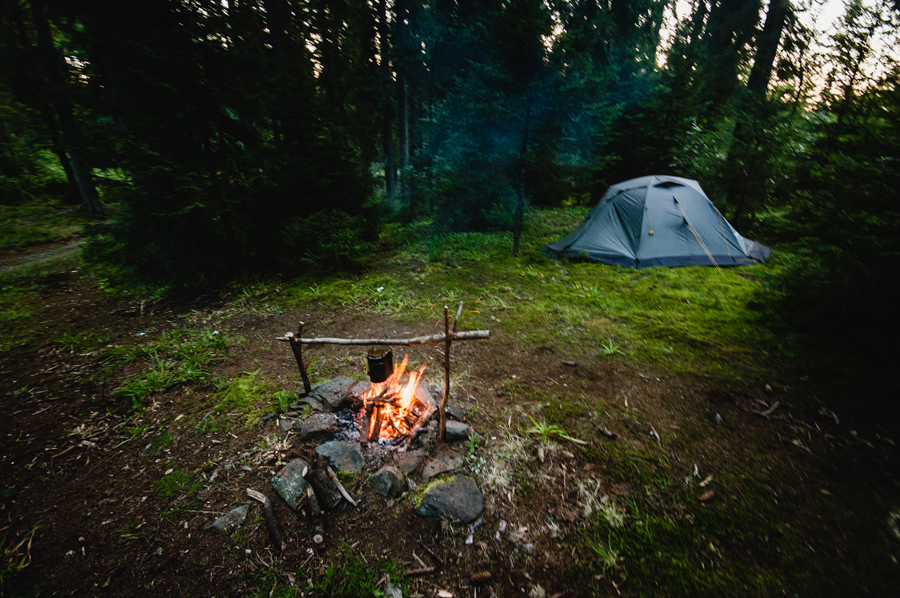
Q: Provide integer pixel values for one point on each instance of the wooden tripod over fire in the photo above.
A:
(449, 335)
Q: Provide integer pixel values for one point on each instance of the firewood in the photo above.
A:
(271, 520)
(325, 489)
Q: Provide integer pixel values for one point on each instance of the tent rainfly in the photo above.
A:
(658, 221)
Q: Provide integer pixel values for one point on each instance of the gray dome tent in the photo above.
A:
(658, 221)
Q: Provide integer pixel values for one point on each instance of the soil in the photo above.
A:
(89, 489)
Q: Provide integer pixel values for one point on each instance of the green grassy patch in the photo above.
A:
(38, 222)
(174, 359)
(245, 399)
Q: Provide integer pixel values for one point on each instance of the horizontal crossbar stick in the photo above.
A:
(403, 342)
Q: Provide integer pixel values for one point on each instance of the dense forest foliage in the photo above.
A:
(229, 136)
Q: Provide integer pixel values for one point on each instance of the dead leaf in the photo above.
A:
(707, 496)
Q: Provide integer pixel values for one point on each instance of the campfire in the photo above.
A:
(392, 408)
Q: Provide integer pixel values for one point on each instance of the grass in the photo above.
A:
(245, 399)
(38, 222)
(693, 321)
(176, 358)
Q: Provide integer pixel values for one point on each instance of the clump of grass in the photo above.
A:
(178, 483)
(14, 557)
(546, 431)
(243, 399)
(609, 348)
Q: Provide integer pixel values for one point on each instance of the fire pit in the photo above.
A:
(390, 408)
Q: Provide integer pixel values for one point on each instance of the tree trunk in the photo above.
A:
(767, 48)
(520, 184)
(390, 165)
(69, 128)
(403, 104)
(757, 86)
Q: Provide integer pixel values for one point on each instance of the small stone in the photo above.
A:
(320, 425)
(409, 461)
(456, 431)
(286, 425)
(290, 484)
(343, 456)
(388, 481)
(458, 499)
(231, 520)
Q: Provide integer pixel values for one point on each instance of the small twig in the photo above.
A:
(418, 572)
(770, 410)
(430, 552)
(458, 314)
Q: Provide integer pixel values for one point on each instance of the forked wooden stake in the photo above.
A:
(446, 373)
(297, 348)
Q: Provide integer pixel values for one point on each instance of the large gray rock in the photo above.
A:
(232, 519)
(290, 484)
(458, 499)
(456, 431)
(331, 395)
(410, 461)
(343, 456)
(388, 481)
(320, 425)
(442, 463)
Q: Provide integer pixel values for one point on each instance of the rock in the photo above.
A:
(233, 519)
(458, 499)
(441, 464)
(342, 456)
(332, 394)
(286, 425)
(320, 425)
(410, 461)
(290, 484)
(456, 431)
(458, 410)
(388, 481)
(357, 390)
(391, 591)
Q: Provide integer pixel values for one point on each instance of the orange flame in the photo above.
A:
(394, 415)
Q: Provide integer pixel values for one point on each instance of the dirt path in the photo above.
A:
(37, 254)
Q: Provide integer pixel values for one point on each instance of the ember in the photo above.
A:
(394, 408)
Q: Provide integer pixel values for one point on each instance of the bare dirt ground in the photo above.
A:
(83, 480)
